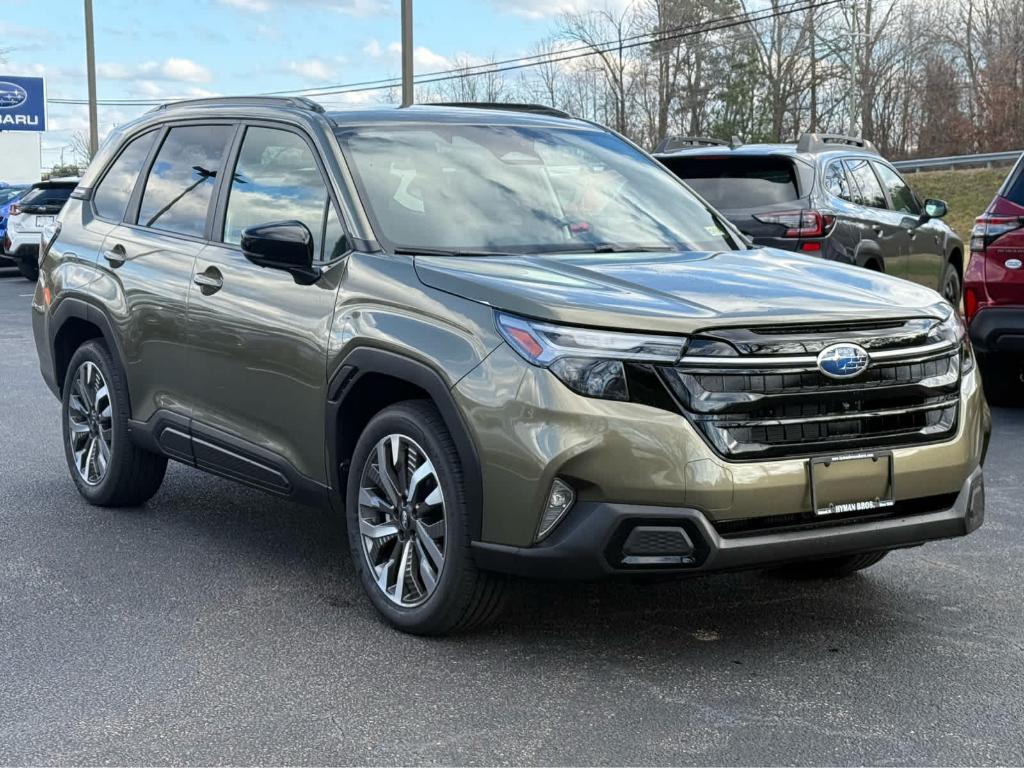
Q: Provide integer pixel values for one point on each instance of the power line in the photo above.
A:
(545, 57)
(524, 62)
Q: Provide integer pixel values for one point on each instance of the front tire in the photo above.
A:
(833, 567)
(952, 287)
(108, 469)
(408, 525)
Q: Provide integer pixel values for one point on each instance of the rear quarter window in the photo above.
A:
(738, 182)
(1013, 189)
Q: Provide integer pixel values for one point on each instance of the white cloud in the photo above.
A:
(540, 9)
(257, 6)
(424, 59)
(184, 70)
(313, 69)
(359, 8)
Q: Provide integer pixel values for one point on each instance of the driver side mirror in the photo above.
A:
(934, 209)
(284, 245)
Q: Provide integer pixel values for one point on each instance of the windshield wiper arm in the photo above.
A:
(621, 248)
(449, 252)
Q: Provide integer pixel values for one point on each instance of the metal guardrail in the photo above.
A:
(959, 161)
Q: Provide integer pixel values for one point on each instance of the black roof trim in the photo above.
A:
(537, 109)
(294, 102)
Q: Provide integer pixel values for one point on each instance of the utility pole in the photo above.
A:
(90, 68)
(407, 71)
(854, 101)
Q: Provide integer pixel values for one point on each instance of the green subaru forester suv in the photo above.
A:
(498, 342)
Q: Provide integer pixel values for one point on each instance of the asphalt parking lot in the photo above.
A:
(219, 625)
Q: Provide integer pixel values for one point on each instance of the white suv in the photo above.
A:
(29, 217)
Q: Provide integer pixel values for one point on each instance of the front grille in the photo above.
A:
(751, 405)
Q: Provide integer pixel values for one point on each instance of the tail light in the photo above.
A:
(800, 223)
(14, 210)
(970, 304)
(989, 226)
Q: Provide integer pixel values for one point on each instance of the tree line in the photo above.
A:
(917, 78)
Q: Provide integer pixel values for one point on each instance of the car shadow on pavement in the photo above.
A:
(256, 533)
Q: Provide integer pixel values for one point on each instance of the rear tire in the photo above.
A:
(108, 469)
(833, 567)
(28, 269)
(425, 536)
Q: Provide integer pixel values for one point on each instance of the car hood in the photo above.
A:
(676, 292)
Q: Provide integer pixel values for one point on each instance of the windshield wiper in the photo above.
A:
(451, 252)
(621, 248)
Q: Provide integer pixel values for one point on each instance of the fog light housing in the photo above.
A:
(560, 499)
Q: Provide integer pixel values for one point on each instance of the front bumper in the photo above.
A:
(998, 330)
(590, 544)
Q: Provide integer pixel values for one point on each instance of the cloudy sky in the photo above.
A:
(154, 49)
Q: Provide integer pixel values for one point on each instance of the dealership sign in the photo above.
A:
(22, 104)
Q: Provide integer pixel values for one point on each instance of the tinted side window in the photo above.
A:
(900, 196)
(181, 182)
(276, 178)
(836, 182)
(111, 196)
(867, 190)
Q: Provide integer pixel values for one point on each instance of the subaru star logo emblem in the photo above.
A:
(11, 95)
(843, 361)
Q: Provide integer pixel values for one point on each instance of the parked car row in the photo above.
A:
(504, 341)
(835, 197)
(27, 216)
(826, 195)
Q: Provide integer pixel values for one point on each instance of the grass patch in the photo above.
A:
(967, 192)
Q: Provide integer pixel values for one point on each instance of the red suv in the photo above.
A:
(994, 289)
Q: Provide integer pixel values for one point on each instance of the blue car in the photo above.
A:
(8, 194)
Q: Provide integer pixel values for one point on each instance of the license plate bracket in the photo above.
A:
(854, 482)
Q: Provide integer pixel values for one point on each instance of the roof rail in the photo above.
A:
(298, 102)
(823, 142)
(670, 143)
(537, 109)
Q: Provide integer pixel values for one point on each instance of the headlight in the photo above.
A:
(590, 362)
(953, 330)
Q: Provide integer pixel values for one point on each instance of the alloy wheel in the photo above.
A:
(90, 426)
(402, 520)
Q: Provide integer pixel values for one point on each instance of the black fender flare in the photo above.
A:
(75, 308)
(365, 360)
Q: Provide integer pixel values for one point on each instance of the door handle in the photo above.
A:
(116, 255)
(209, 281)
(877, 229)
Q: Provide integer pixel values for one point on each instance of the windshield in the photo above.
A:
(526, 190)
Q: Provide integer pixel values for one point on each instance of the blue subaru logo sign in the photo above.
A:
(12, 95)
(22, 103)
(843, 361)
